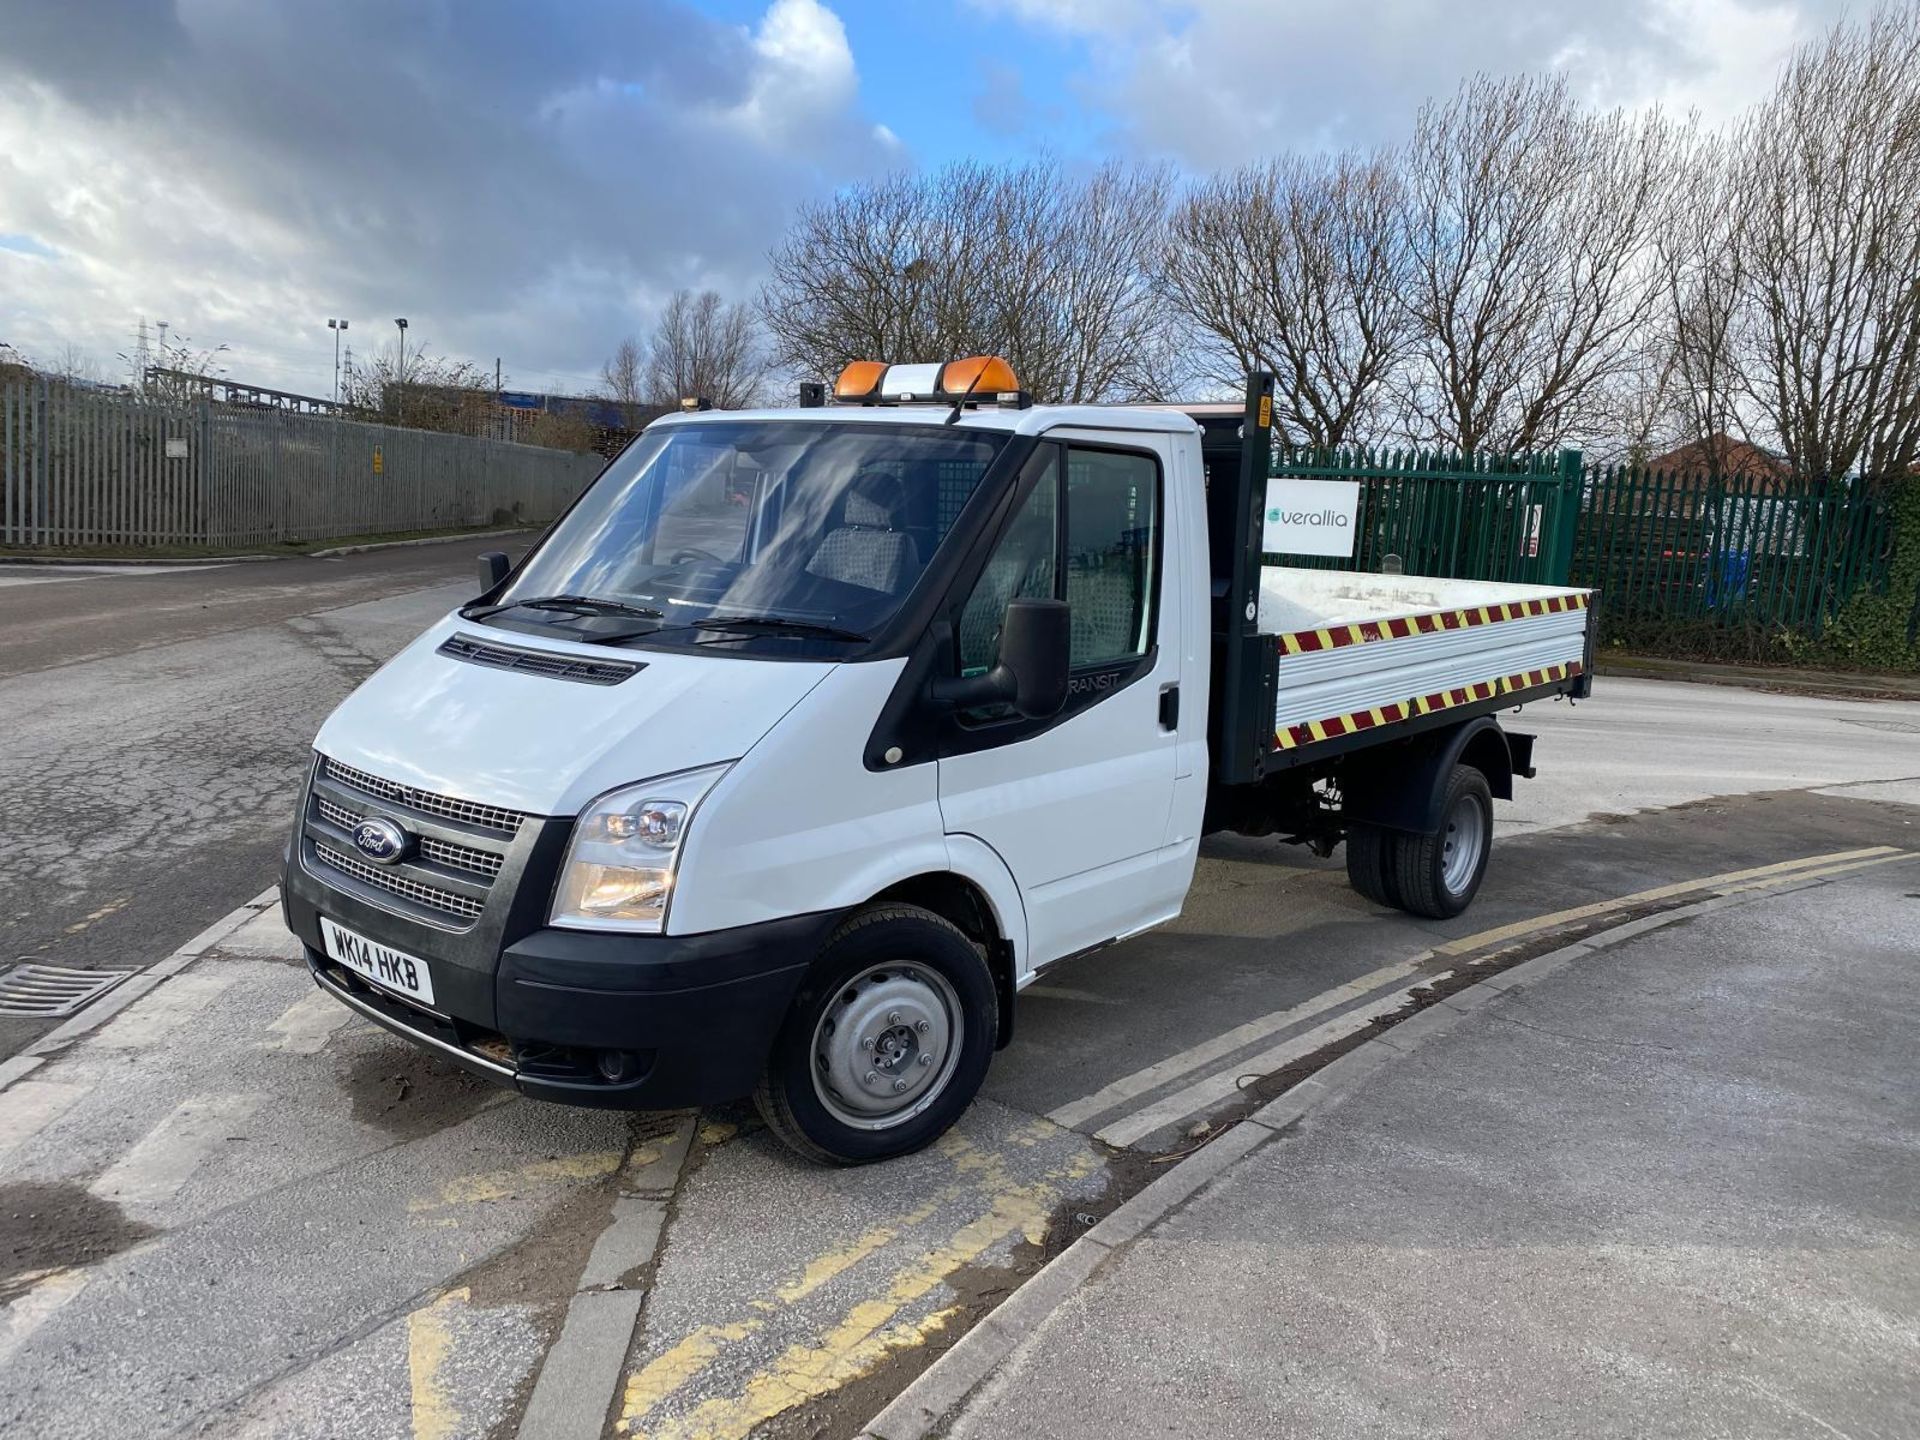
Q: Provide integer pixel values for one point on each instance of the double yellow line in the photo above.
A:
(866, 1333)
(1732, 882)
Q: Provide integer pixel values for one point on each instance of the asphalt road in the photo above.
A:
(157, 720)
(235, 1210)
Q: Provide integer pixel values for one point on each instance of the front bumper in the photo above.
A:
(690, 1018)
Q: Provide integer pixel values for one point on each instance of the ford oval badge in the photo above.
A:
(380, 840)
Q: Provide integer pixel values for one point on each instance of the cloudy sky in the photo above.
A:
(530, 181)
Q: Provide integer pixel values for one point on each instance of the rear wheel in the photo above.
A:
(1437, 874)
(1368, 848)
(886, 1043)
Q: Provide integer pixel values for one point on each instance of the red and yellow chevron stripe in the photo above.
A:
(1305, 642)
(1294, 736)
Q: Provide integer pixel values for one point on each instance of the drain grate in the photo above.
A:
(49, 991)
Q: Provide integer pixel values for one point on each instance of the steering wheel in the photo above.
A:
(691, 552)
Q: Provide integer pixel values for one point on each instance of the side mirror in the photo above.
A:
(1031, 674)
(494, 566)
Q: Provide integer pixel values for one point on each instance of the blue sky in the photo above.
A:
(531, 181)
(931, 72)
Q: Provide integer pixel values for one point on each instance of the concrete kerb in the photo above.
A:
(109, 560)
(579, 1379)
(132, 988)
(926, 1404)
(339, 550)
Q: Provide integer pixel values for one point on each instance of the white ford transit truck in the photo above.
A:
(808, 737)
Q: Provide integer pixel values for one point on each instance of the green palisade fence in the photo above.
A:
(1479, 517)
(1742, 566)
(1753, 567)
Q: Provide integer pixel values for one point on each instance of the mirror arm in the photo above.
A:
(971, 691)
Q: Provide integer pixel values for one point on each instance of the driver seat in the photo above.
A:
(865, 549)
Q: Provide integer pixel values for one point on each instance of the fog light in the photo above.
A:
(615, 1066)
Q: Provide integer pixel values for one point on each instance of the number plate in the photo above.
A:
(385, 966)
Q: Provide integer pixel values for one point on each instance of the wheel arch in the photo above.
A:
(968, 905)
(1404, 788)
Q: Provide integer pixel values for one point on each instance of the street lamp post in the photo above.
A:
(336, 326)
(400, 402)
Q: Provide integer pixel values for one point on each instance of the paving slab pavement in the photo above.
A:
(1669, 1188)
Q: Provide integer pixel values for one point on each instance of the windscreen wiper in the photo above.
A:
(584, 604)
(775, 625)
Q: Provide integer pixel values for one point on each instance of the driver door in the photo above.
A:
(1078, 805)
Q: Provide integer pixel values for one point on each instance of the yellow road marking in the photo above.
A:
(1820, 874)
(823, 1268)
(1035, 1131)
(799, 1376)
(506, 1184)
(428, 1341)
(666, 1373)
(660, 1377)
(981, 1172)
(1519, 929)
(866, 1334)
(646, 1152)
(97, 915)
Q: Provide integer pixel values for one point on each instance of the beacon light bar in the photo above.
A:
(976, 378)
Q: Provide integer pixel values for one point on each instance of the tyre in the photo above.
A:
(1437, 874)
(887, 1041)
(1367, 868)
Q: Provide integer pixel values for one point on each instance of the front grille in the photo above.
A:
(476, 651)
(487, 817)
(446, 901)
(484, 863)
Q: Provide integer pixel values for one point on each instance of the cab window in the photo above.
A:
(1088, 533)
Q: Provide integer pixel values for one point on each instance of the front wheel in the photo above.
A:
(1438, 874)
(886, 1043)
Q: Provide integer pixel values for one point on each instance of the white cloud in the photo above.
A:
(1214, 82)
(805, 70)
(523, 183)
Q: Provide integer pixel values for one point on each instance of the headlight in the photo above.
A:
(620, 864)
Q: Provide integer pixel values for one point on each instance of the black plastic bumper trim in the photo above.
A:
(467, 1058)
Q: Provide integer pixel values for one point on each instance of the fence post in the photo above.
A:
(1567, 522)
(42, 518)
(203, 479)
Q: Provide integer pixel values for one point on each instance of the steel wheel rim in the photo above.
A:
(886, 1045)
(1462, 842)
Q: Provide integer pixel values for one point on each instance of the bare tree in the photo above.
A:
(74, 366)
(704, 347)
(1529, 223)
(621, 379)
(866, 274)
(1078, 308)
(434, 393)
(1052, 271)
(1825, 282)
(1692, 391)
(1300, 267)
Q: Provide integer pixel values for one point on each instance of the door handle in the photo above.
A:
(1169, 707)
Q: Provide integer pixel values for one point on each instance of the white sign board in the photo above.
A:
(1311, 517)
(176, 449)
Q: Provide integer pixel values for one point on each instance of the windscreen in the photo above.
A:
(704, 529)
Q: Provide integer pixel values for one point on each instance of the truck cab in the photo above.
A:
(793, 751)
